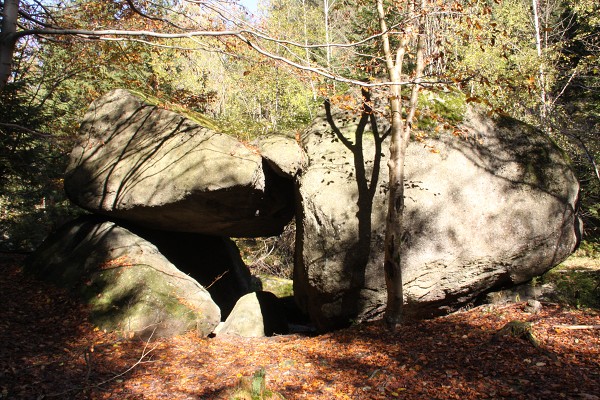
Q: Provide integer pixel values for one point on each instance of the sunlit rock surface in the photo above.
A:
(493, 204)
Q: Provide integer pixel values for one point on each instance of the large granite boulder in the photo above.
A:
(486, 207)
(173, 171)
(130, 286)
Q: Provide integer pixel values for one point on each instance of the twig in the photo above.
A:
(87, 357)
(216, 279)
(577, 326)
(138, 362)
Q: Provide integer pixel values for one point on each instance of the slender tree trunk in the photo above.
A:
(326, 6)
(541, 71)
(307, 54)
(400, 136)
(10, 13)
(393, 229)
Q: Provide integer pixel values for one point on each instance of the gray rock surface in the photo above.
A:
(284, 155)
(256, 314)
(173, 171)
(491, 207)
(129, 285)
(338, 272)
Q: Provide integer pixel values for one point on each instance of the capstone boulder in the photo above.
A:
(173, 171)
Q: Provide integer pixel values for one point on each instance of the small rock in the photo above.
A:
(256, 314)
(533, 306)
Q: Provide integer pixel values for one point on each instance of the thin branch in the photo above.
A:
(97, 34)
(587, 152)
(318, 71)
(564, 87)
(216, 279)
(28, 130)
(148, 16)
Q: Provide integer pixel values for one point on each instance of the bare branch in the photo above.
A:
(239, 34)
(319, 71)
(28, 130)
(145, 353)
(148, 16)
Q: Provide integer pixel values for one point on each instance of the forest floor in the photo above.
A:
(48, 349)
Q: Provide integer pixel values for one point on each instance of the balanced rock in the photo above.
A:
(173, 171)
(130, 286)
(490, 207)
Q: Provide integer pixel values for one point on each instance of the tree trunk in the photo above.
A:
(541, 72)
(393, 227)
(400, 136)
(326, 6)
(8, 40)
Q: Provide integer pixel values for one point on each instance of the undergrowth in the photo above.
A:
(576, 288)
(576, 282)
(272, 256)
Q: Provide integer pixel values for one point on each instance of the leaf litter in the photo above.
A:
(49, 349)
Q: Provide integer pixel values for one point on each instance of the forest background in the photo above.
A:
(535, 60)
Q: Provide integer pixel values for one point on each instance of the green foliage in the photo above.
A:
(32, 201)
(497, 51)
(440, 109)
(280, 287)
(265, 99)
(577, 112)
(577, 288)
(254, 388)
(589, 249)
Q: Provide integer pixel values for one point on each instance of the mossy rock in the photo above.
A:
(130, 287)
(280, 287)
(198, 118)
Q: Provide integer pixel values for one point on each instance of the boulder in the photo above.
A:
(487, 206)
(128, 284)
(172, 171)
(256, 314)
(519, 293)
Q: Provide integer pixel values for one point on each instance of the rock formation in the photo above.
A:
(488, 205)
(213, 261)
